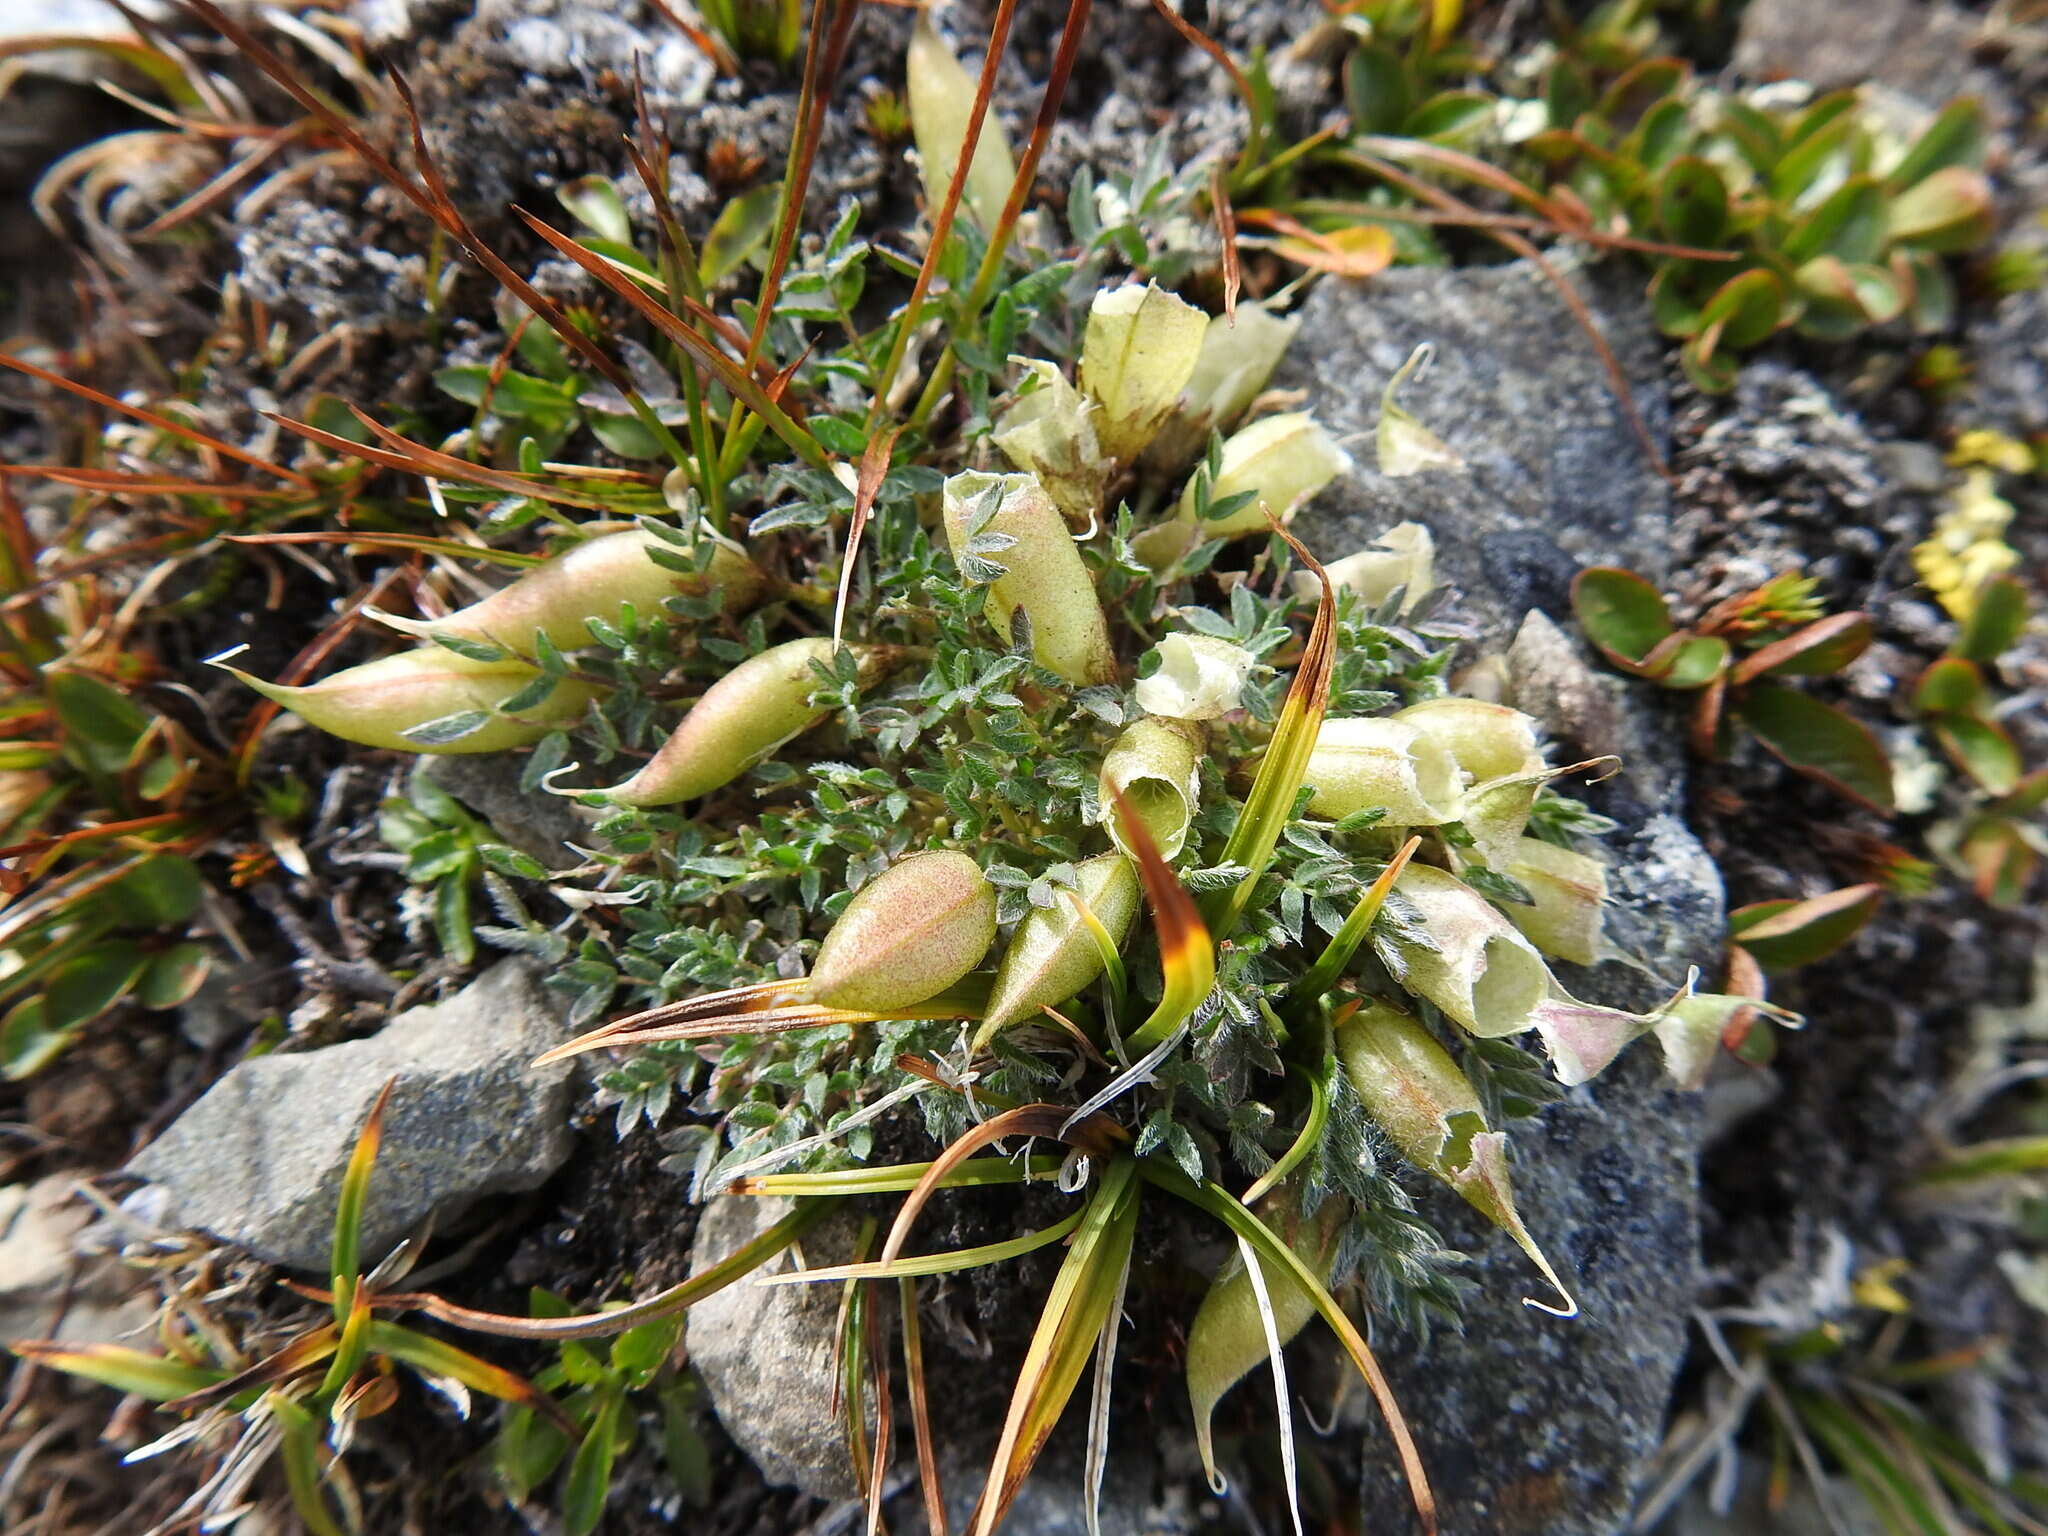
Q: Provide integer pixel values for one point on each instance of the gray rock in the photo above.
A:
(765, 1352)
(258, 1161)
(1529, 1424)
(50, 1287)
(1923, 51)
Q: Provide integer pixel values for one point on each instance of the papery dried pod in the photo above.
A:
(942, 96)
(1008, 521)
(1280, 460)
(1570, 890)
(1482, 973)
(1155, 762)
(1053, 954)
(1383, 764)
(1238, 356)
(560, 597)
(429, 700)
(1403, 559)
(1199, 677)
(908, 934)
(1489, 741)
(1227, 1340)
(741, 719)
(1415, 1093)
(1049, 433)
(1137, 353)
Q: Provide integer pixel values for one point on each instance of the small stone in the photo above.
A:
(49, 1286)
(766, 1352)
(537, 824)
(258, 1161)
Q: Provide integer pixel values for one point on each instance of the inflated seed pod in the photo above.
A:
(1366, 764)
(908, 934)
(1199, 677)
(1043, 572)
(560, 597)
(1416, 1094)
(1570, 889)
(1482, 973)
(1239, 353)
(742, 718)
(1050, 433)
(1155, 762)
(1489, 741)
(1053, 955)
(1281, 460)
(941, 100)
(376, 703)
(1402, 559)
(1137, 354)
(1227, 1340)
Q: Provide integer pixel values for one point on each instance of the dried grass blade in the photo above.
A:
(920, 1410)
(874, 465)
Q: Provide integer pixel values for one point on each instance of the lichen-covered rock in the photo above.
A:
(1529, 1424)
(258, 1161)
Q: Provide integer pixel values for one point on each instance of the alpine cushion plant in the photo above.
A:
(905, 868)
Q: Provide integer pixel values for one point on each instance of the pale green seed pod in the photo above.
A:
(1227, 1340)
(1496, 813)
(1155, 762)
(1199, 677)
(1137, 354)
(1416, 1094)
(376, 703)
(1483, 974)
(1053, 955)
(941, 103)
(741, 719)
(560, 597)
(908, 934)
(1282, 460)
(1049, 433)
(1383, 764)
(1239, 353)
(1570, 889)
(1489, 741)
(1043, 572)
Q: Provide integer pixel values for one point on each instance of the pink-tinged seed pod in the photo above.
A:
(1381, 764)
(560, 597)
(1042, 571)
(907, 935)
(376, 703)
(1570, 889)
(1482, 973)
(1416, 1094)
(741, 719)
(1053, 955)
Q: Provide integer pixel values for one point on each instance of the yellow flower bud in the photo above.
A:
(1569, 889)
(1048, 433)
(941, 104)
(1008, 521)
(741, 719)
(1156, 764)
(1416, 1094)
(1482, 973)
(1282, 460)
(1137, 354)
(1053, 955)
(434, 694)
(558, 598)
(1383, 764)
(907, 935)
